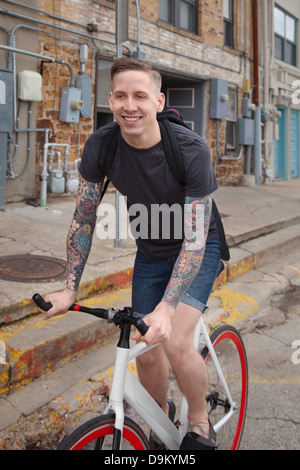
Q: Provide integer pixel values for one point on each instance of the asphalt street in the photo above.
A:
(272, 339)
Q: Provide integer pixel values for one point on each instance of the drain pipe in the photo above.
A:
(257, 146)
(256, 100)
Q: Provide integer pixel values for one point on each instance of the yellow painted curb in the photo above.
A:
(238, 305)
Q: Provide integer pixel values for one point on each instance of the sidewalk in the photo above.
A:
(260, 223)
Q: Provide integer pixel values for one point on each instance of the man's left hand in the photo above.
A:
(160, 327)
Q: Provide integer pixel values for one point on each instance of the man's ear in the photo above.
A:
(161, 102)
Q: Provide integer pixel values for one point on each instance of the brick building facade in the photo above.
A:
(192, 44)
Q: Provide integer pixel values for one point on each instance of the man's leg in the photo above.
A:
(187, 364)
(153, 371)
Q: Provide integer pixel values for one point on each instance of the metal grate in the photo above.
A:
(31, 268)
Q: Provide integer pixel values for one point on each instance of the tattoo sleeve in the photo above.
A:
(196, 226)
(81, 231)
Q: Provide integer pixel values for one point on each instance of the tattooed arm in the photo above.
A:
(81, 231)
(196, 225)
(79, 242)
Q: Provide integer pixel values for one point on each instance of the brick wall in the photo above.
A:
(202, 56)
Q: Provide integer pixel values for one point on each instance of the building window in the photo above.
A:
(179, 13)
(231, 124)
(228, 9)
(285, 29)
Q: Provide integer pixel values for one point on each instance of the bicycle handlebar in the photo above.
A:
(118, 317)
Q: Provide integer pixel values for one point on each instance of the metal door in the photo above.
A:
(188, 98)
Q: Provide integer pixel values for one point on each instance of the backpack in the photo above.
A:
(173, 155)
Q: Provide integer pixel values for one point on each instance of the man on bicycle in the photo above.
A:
(173, 277)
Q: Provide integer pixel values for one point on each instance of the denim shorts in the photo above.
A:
(151, 277)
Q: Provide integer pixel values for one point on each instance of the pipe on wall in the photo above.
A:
(44, 57)
(255, 53)
(256, 96)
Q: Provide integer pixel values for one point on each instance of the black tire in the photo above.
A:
(230, 350)
(97, 434)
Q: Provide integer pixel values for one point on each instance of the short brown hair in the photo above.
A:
(126, 63)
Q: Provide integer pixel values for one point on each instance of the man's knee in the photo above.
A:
(177, 350)
(150, 358)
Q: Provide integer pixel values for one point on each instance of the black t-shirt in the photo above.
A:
(154, 198)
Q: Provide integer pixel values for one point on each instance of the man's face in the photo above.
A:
(135, 101)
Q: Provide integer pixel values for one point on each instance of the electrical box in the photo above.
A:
(84, 83)
(6, 101)
(218, 99)
(246, 131)
(29, 86)
(71, 104)
(247, 108)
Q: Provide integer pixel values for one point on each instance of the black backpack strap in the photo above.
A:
(172, 150)
(175, 163)
(225, 255)
(109, 147)
(107, 181)
(107, 154)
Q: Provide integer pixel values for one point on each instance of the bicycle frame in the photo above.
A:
(201, 330)
(126, 386)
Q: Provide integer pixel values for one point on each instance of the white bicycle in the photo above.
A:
(225, 357)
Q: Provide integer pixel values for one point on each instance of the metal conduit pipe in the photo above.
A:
(44, 174)
(54, 26)
(4, 29)
(51, 59)
(11, 174)
(138, 20)
(94, 38)
(50, 15)
(39, 56)
(11, 66)
(39, 30)
(238, 157)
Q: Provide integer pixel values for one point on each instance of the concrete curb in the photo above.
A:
(26, 307)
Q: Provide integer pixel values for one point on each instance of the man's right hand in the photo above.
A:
(61, 302)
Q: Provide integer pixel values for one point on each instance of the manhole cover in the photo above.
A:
(31, 268)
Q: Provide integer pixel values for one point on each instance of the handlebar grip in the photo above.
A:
(40, 302)
(141, 326)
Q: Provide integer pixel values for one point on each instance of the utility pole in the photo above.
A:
(122, 14)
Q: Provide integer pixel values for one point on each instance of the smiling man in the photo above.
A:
(135, 100)
(172, 277)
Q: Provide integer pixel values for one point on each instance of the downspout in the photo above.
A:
(255, 53)
(256, 100)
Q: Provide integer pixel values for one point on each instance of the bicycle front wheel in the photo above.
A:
(98, 433)
(229, 348)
